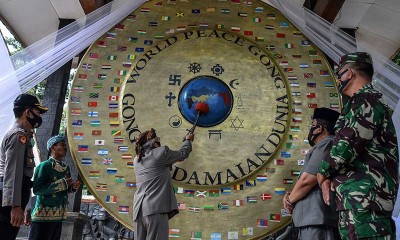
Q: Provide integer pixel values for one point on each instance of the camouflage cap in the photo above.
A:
(357, 57)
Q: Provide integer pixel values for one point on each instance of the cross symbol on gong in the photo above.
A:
(170, 97)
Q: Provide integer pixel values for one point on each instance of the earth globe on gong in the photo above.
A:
(211, 91)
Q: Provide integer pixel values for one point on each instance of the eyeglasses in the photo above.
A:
(339, 75)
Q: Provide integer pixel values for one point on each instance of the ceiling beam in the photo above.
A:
(327, 9)
(91, 5)
(8, 26)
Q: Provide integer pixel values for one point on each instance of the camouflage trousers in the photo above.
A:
(366, 224)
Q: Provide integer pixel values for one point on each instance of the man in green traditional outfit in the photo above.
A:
(52, 182)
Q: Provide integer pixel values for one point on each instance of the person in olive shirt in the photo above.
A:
(17, 164)
(363, 161)
(51, 183)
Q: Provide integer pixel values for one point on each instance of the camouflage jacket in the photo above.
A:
(363, 161)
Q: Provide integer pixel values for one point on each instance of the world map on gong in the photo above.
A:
(210, 90)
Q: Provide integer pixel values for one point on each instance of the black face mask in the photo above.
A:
(311, 137)
(36, 121)
(343, 84)
(156, 142)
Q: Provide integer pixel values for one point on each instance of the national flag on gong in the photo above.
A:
(111, 199)
(237, 203)
(173, 233)
(83, 148)
(213, 193)
(275, 217)
(262, 178)
(238, 187)
(123, 209)
(261, 222)
(280, 191)
(311, 95)
(93, 56)
(265, 196)
(280, 35)
(94, 174)
(189, 193)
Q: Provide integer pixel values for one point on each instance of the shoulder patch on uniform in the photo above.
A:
(22, 138)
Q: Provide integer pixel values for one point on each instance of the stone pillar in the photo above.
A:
(54, 99)
(72, 228)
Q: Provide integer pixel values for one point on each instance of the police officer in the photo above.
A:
(363, 161)
(17, 164)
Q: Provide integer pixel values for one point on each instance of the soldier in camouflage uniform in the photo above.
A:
(17, 164)
(363, 161)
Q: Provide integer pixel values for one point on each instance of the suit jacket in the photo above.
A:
(154, 190)
(311, 210)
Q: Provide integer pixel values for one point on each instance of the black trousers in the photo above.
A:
(45, 231)
(7, 231)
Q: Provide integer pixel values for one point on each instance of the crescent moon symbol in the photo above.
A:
(234, 82)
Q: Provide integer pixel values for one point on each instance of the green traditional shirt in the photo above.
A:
(363, 161)
(51, 188)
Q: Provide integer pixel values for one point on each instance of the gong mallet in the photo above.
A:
(201, 108)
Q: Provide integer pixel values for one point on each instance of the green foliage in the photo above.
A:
(14, 44)
(396, 58)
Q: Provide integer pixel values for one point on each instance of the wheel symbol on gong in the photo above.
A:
(194, 67)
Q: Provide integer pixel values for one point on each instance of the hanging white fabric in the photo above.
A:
(6, 113)
(335, 43)
(39, 60)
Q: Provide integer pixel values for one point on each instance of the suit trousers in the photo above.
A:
(151, 227)
(7, 231)
(318, 232)
(45, 231)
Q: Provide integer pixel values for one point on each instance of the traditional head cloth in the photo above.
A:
(326, 114)
(143, 139)
(55, 140)
(357, 57)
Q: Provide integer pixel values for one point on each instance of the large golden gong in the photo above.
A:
(261, 79)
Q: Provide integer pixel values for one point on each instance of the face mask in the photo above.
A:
(156, 142)
(311, 137)
(36, 121)
(343, 85)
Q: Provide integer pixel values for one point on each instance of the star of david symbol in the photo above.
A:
(237, 123)
(194, 67)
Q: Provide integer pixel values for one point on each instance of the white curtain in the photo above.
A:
(29, 67)
(6, 69)
(44, 57)
(335, 43)
(24, 70)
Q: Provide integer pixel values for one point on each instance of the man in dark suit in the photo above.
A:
(154, 201)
